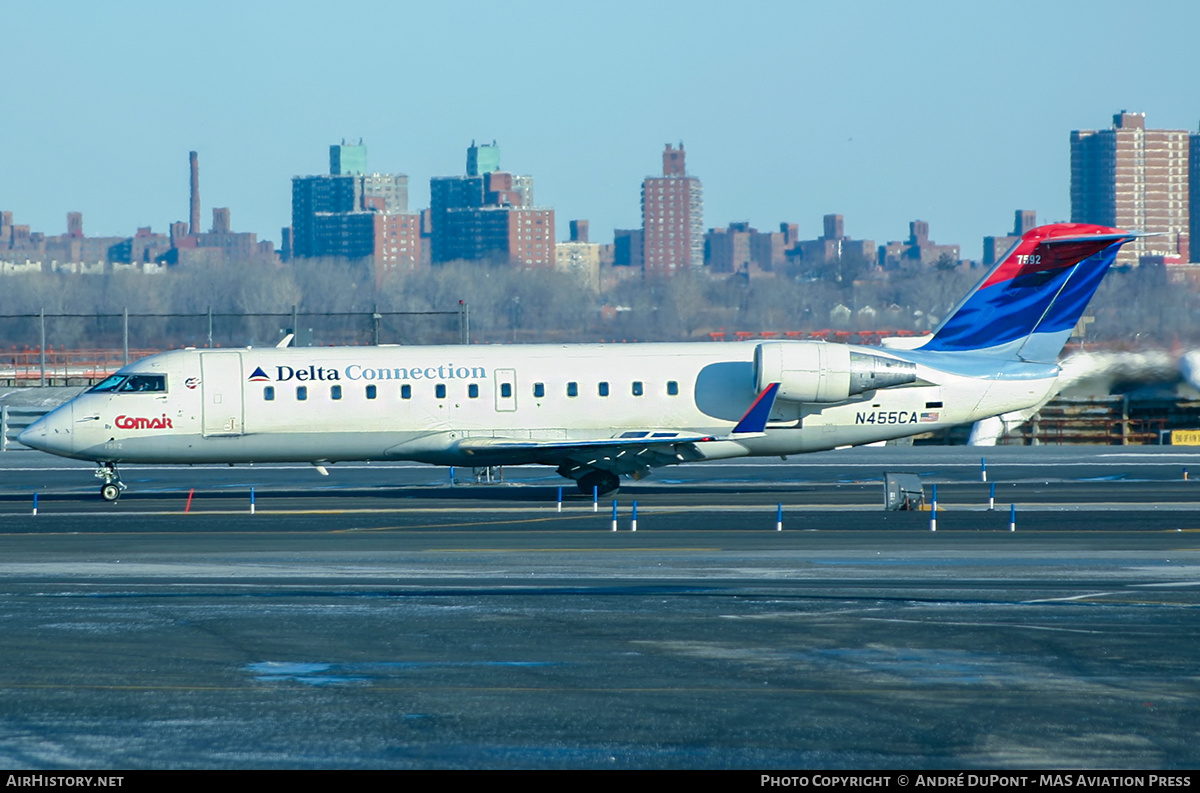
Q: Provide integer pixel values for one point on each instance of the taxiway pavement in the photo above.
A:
(381, 618)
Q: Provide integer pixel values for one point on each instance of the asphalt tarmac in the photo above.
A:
(381, 618)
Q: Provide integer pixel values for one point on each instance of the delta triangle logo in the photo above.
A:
(259, 376)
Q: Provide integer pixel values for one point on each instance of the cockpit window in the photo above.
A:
(110, 383)
(144, 383)
(132, 383)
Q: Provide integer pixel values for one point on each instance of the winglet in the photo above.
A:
(756, 417)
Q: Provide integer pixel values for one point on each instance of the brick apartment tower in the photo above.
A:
(488, 215)
(1136, 179)
(672, 218)
(1194, 198)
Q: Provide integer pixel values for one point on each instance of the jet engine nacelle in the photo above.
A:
(815, 371)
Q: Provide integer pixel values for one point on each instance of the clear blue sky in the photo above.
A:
(955, 113)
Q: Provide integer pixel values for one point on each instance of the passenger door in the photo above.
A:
(221, 385)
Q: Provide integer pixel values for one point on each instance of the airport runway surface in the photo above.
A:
(381, 618)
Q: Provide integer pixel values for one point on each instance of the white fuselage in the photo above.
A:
(427, 403)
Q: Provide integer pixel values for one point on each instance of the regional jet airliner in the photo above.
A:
(595, 412)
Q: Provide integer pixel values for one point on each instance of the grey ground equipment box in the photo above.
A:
(902, 491)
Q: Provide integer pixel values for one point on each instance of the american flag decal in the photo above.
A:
(930, 416)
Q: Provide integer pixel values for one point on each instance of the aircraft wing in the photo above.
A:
(625, 439)
(631, 452)
(632, 456)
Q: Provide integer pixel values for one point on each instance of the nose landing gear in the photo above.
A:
(112, 488)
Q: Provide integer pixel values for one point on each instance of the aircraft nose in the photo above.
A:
(32, 435)
(51, 433)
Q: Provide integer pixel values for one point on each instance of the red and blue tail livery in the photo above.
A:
(1027, 306)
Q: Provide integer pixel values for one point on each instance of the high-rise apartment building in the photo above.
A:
(672, 218)
(448, 193)
(1194, 197)
(522, 237)
(354, 214)
(313, 195)
(488, 215)
(1133, 178)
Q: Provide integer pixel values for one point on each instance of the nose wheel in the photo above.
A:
(111, 490)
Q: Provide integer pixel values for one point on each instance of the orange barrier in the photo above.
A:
(61, 364)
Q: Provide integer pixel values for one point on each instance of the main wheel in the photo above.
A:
(603, 482)
(110, 491)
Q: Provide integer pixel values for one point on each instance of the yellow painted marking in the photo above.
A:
(555, 517)
(462, 523)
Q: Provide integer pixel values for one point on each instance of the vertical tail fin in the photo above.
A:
(1027, 306)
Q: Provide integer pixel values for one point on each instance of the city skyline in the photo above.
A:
(898, 117)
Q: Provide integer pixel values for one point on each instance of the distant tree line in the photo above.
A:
(511, 305)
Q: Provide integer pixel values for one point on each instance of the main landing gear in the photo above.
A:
(604, 482)
(111, 490)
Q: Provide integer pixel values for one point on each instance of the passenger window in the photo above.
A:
(335, 391)
(301, 393)
(269, 393)
(506, 390)
(603, 389)
(637, 387)
(672, 388)
(406, 392)
(440, 390)
(539, 390)
(572, 389)
(371, 391)
(473, 391)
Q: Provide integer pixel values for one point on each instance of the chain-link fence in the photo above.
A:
(60, 348)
